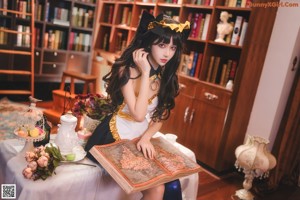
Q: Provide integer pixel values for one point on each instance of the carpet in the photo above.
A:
(10, 112)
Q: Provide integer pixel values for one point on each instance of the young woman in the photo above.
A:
(142, 85)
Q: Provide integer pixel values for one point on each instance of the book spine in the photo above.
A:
(195, 23)
(215, 69)
(74, 16)
(233, 70)
(19, 35)
(243, 33)
(1, 35)
(192, 71)
(223, 75)
(47, 12)
(86, 20)
(198, 25)
(205, 28)
(236, 30)
(198, 66)
(211, 63)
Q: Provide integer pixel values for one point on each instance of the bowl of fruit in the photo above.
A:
(32, 133)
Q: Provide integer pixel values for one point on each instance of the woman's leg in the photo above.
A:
(173, 190)
(156, 193)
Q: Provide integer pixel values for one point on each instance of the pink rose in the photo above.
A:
(43, 153)
(27, 173)
(30, 156)
(42, 161)
(32, 165)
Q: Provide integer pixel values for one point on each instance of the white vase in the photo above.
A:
(89, 123)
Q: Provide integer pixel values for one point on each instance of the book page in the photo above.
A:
(133, 172)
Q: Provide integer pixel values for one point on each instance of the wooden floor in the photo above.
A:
(213, 187)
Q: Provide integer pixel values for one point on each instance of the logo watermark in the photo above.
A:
(273, 4)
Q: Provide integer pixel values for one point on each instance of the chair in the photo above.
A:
(63, 99)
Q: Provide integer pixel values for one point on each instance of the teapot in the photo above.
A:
(66, 138)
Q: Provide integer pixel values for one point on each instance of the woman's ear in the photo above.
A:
(148, 49)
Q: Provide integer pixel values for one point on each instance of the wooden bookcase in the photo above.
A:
(206, 113)
(63, 36)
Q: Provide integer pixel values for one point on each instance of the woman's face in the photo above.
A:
(161, 53)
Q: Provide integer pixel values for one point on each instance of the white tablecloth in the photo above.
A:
(74, 182)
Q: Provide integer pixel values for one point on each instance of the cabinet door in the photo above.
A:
(179, 118)
(209, 114)
(78, 62)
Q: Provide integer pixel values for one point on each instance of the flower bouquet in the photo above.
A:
(95, 106)
(91, 109)
(42, 162)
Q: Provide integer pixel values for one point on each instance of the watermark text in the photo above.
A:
(273, 4)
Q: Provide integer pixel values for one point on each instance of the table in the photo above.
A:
(73, 181)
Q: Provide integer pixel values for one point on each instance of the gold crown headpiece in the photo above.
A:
(176, 27)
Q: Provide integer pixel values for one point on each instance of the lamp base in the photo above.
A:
(244, 194)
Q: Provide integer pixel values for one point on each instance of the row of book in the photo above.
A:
(80, 42)
(60, 17)
(82, 17)
(120, 42)
(23, 7)
(191, 63)
(221, 70)
(108, 13)
(23, 40)
(238, 3)
(237, 36)
(38, 7)
(105, 43)
(203, 2)
(174, 1)
(126, 16)
(4, 5)
(87, 1)
(200, 23)
(3, 36)
(53, 39)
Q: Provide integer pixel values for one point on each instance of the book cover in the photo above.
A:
(133, 172)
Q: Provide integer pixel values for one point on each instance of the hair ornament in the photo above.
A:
(158, 24)
(176, 27)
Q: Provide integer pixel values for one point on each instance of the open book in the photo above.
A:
(133, 172)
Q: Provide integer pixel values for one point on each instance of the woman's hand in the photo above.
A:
(140, 59)
(146, 147)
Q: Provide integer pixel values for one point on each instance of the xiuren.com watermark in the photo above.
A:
(273, 4)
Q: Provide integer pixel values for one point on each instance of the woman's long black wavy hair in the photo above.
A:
(169, 82)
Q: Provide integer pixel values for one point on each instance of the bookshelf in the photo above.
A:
(63, 32)
(16, 45)
(207, 110)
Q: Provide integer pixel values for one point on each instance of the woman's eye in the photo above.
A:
(174, 48)
(162, 45)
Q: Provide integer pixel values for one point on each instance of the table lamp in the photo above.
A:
(254, 160)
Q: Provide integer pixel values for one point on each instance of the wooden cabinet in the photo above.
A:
(199, 117)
